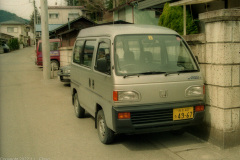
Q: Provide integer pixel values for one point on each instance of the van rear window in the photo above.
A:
(53, 46)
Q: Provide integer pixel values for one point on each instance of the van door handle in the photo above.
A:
(92, 84)
(89, 82)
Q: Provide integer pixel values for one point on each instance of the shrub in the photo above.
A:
(13, 44)
(172, 17)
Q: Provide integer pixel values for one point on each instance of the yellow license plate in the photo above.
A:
(182, 113)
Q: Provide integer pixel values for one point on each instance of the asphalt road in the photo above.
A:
(37, 122)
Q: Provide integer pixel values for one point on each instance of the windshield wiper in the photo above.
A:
(178, 72)
(185, 71)
(143, 73)
(167, 73)
(127, 75)
(152, 72)
(159, 72)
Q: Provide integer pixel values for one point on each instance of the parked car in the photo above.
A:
(64, 73)
(5, 48)
(1, 49)
(54, 53)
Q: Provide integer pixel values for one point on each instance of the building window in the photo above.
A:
(12, 29)
(53, 15)
(73, 16)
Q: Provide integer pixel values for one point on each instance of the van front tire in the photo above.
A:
(79, 111)
(105, 134)
(54, 65)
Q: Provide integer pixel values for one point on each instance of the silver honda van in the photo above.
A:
(135, 79)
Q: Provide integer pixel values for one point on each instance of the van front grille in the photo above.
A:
(147, 117)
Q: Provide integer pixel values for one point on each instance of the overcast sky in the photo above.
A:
(24, 8)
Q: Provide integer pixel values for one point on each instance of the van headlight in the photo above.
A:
(194, 91)
(125, 96)
(66, 71)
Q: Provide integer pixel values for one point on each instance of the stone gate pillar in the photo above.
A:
(65, 55)
(221, 65)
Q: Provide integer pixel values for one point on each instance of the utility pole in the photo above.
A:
(45, 40)
(184, 21)
(34, 25)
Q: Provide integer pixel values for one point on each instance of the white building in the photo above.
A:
(18, 30)
(63, 14)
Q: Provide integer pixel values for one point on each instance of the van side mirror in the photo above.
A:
(197, 58)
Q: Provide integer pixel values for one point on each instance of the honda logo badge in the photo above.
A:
(163, 93)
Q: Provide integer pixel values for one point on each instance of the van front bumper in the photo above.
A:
(154, 118)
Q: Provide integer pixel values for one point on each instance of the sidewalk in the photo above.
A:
(37, 120)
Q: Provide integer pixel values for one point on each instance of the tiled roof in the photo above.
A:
(12, 22)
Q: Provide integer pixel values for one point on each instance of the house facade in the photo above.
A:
(129, 12)
(18, 30)
(148, 11)
(63, 14)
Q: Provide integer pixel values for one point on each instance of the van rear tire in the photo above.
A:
(105, 134)
(54, 65)
(79, 111)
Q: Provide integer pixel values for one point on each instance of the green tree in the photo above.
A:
(13, 44)
(38, 19)
(172, 17)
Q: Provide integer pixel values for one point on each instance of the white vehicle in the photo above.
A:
(135, 79)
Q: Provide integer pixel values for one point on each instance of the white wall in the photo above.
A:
(62, 15)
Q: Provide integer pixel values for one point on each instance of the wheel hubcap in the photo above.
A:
(101, 128)
(76, 105)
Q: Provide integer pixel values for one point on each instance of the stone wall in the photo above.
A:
(218, 51)
(65, 55)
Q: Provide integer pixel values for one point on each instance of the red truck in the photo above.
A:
(54, 53)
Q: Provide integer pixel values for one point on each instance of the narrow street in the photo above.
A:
(37, 122)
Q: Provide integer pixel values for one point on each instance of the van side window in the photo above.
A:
(87, 54)
(77, 51)
(103, 57)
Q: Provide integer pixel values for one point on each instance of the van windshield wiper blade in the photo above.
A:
(144, 73)
(152, 72)
(127, 75)
(178, 72)
(185, 71)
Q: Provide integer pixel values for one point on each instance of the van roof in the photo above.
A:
(119, 29)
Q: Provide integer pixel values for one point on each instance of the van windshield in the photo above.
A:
(152, 54)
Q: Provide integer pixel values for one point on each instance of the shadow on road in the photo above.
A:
(156, 141)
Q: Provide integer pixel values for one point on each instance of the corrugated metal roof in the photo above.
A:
(189, 2)
(77, 19)
(12, 22)
(50, 27)
(151, 3)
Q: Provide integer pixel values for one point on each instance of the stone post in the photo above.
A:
(65, 55)
(221, 65)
